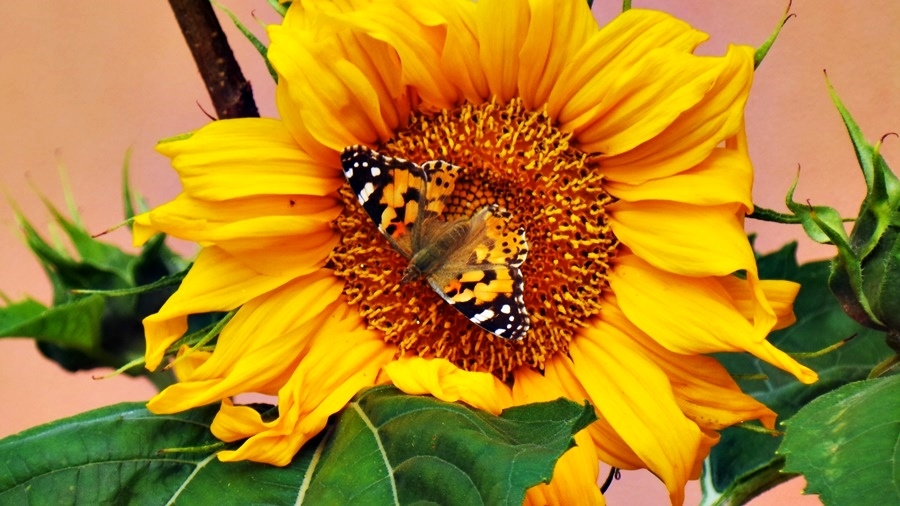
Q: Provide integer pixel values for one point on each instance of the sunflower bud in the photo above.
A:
(865, 274)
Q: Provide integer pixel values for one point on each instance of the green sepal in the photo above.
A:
(257, 44)
(90, 329)
(763, 49)
(822, 224)
(279, 7)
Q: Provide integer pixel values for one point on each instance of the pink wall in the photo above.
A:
(84, 81)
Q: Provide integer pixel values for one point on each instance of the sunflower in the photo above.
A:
(619, 152)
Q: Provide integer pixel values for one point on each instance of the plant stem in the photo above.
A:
(231, 94)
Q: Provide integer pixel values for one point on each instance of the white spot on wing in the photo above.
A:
(483, 316)
(366, 192)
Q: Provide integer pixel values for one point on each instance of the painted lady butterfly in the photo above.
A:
(472, 263)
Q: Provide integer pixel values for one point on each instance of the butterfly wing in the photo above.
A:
(390, 190)
(482, 278)
(486, 285)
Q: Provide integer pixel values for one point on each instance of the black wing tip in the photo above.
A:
(351, 152)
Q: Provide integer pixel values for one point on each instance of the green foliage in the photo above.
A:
(865, 273)
(845, 444)
(386, 448)
(763, 50)
(261, 48)
(744, 463)
(86, 326)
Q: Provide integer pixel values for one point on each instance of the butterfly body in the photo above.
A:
(472, 263)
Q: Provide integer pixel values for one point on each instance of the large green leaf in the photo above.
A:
(386, 448)
(744, 462)
(846, 444)
(408, 449)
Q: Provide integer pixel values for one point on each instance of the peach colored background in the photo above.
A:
(84, 81)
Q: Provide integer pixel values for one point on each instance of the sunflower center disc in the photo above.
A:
(519, 160)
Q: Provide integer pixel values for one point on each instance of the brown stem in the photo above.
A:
(231, 94)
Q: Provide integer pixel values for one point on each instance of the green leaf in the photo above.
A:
(744, 456)
(73, 325)
(111, 456)
(411, 449)
(387, 448)
(845, 444)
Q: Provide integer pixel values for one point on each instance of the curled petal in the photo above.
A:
(459, 56)
(690, 139)
(704, 390)
(188, 362)
(634, 395)
(216, 282)
(779, 293)
(579, 95)
(259, 348)
(338, 364)
(445, 381)
(700, 316)
(321, 80)
(418, 45)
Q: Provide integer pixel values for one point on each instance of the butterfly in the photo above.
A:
(472, 263)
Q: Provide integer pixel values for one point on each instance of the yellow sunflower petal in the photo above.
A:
(216, 282)
(611, 448)
(726, 177)
(502, 28)
(633, 111)
(779, 293)
(249, 218)
(704, 390)
(186, 365)
(459, 58)
(575, 474)
(259, 348)
(596, 69)
(419, 47)
(320, 80)
(636, 397)
(695, 133)
(449, 383)
(682, 238)
(237, 158)
(700, 316)
(557, 30)
(339, 364)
